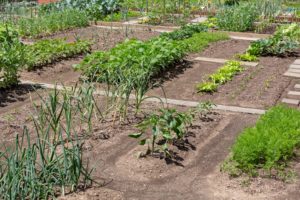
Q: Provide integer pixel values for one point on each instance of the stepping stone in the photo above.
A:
(297, 62)
(291, 74)
(294, 93)
(293, 70)
(199, 20)
(294, 66)
(297, 86)
(244, 38)
(222, 61)
(291, 101)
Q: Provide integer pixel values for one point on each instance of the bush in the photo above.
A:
(270, 144)
(11, 56)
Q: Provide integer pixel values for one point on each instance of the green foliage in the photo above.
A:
(270, 144)
(94, 9)
(200, 41)
(223, 75)
(48, 51)
(186, 31)
(11, 56)
(237, 18)
(130, 66)
(247, 57)
(166, 127)
(47, 24)
(119, 16)
(51, 163)
(284, 41)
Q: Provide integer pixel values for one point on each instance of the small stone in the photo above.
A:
(291, 101)
(294, 66)
(294, 93)
(291, 74)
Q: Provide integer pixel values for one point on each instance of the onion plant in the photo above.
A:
(50, 162)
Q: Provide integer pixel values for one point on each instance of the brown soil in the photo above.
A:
(103, 39)
(256, 87)
(192, 174)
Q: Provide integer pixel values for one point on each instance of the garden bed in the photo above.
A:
(256, 87)
(63, 72)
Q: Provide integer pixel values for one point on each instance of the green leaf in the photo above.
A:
(143, 142)
(135, 135)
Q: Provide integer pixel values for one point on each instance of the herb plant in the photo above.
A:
(269, 145)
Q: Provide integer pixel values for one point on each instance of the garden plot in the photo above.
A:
(193, 175)
(63, 71)
(112, 141)
(258, 86)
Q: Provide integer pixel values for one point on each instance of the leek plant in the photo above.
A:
(49, 163)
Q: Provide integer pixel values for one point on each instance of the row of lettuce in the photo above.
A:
(284, 42)
(15, 56)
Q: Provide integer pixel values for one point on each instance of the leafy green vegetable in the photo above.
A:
(284, 41)
(223, 75)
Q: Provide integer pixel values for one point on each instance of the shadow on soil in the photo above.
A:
(173, 72)
(16, 94)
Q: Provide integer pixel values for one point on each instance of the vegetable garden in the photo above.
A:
(160, 99)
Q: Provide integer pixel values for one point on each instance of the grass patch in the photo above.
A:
(200, 41)
(268, 146)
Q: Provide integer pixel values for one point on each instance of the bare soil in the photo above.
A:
(256, 87)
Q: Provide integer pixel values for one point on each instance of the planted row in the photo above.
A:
(46, 161)
(284, 42)
(48, 51)
(223, 75)
(268, 146)
(46, 24)
(15, 56)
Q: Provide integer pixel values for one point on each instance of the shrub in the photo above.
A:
(270, 144)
